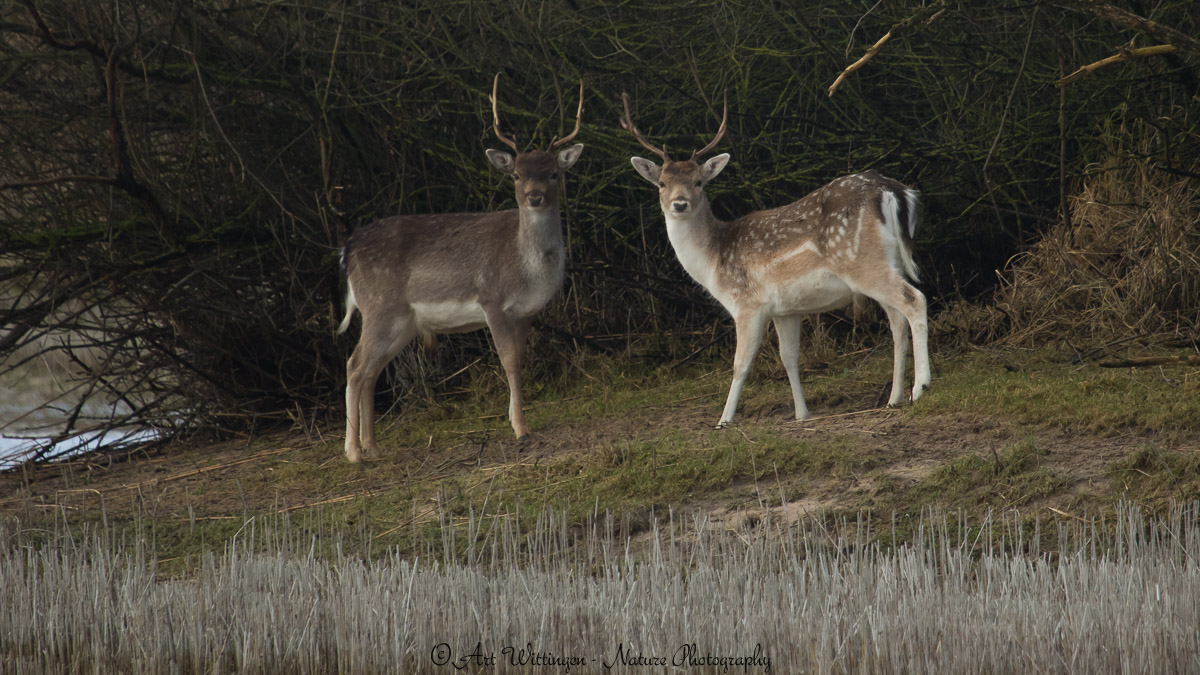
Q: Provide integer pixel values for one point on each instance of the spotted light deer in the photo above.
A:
(457, 272)
(851, 237)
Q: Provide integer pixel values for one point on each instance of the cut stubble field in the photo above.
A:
(1028, 513)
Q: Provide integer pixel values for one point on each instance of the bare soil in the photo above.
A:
(231, 479)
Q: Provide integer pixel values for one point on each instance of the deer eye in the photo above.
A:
(554, 175)
(662, 184)
(697, 183)
(516, 176)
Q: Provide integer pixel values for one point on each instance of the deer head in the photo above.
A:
(680, 184)
(535, 173)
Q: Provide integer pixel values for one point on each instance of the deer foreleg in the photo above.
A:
(750, 328)
(509, 335)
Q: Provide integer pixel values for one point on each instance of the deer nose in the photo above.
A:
(535, 200)
(679, 205)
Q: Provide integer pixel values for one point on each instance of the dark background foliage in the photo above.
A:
(176, 178)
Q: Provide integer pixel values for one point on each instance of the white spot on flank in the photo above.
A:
(806, 246)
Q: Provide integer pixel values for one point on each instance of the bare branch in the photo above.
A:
(860, 62)
(1182, 41)
(927, 15)
(1143, 361)
(1122, 55)
(56, 179)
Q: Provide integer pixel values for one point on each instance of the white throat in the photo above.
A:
(691, 235)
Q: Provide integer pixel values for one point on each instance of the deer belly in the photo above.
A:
(819, 291)
(451, 316)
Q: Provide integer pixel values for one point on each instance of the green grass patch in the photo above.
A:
(673, 468)
(1012, 476)
(1043, 388)
(600, 386)
(1156, 475)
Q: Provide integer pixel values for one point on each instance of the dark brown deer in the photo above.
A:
(849, 238)
(454, 273)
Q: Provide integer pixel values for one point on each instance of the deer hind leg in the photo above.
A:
(903, 298)
(377, 346)
(918, 320)
(788, 330)
(509, 334)
(899, 324)
(750, 328)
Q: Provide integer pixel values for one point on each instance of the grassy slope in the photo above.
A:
(999, 430)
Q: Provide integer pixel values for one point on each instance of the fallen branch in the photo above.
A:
(1121, 55)
(1142, 361)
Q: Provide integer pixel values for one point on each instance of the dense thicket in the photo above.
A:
(177, 177)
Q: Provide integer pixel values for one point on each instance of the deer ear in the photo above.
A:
(502, 161)
(649, 170)
(568, 157)
(714, 166)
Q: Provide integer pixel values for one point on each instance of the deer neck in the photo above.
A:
(540, 240)
(539, 229)
(694, 238)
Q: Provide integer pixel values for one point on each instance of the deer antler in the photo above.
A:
(555, 144)
(627, 124)
(720, 132)
(496, 119)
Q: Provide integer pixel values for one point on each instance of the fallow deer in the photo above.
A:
(457, 272)
(851, 237)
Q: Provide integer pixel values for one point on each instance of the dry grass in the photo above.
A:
(1127, 264)
(1119, 596)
